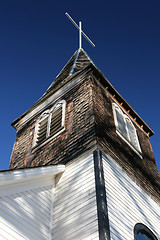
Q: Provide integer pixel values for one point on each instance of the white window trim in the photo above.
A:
(127, 140)
(49, 112)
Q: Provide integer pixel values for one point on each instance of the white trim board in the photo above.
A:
(23, 175)
(47, 103)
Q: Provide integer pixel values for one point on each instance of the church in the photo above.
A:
(82, 166)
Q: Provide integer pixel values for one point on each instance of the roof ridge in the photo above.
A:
(78, 51)
(66, 64)
(88, 57)
(78, 61)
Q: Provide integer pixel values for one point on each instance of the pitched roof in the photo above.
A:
(77, 62)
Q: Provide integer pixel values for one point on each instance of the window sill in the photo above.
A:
(36, 147)
(131, 146)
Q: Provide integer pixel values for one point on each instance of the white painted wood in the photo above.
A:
(128, 203)
(27, 203)
(84, 231)
(22, 213)
(51, 213)
(12, 176)
(24, 186)
(12, 234)
(75, 211)
(22, 219)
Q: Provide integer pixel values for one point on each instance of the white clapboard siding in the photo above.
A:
(26, 215)
(75, 208)
(128, 203)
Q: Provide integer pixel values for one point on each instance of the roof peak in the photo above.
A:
(79, 53)
(79, 60)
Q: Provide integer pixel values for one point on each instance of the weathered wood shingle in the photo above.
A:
(77, 62)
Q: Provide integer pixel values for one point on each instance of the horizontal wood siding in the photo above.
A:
(75, 212)
(128, 203)
(26, 215)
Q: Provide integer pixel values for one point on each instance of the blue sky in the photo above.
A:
(37, 39)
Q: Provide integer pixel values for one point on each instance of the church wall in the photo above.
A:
(128, 203)
(143, 169)
(78, 135)
(75, 212)
(25, 210)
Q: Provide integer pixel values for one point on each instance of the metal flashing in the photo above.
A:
(74, 62)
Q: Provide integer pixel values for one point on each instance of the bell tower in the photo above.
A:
(111, 185)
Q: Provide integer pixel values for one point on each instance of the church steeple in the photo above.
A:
(81, 110)
(83, 122)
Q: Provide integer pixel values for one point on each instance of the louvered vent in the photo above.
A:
(56, 121)
(42, 130)
(49, 124)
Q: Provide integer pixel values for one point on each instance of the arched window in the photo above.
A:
(50, 124)
(125, 127)
(141, 232)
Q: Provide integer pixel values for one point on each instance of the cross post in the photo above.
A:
(80, 31)
(80, 35)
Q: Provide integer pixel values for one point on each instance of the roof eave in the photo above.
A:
(48, 94)
(117, 96)
(114, 93)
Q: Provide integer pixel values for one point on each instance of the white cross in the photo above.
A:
(80, 31)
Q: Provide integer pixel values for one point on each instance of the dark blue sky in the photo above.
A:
(37, 39)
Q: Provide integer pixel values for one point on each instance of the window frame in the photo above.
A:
(127, 138)
(61, 103)
(140, 227)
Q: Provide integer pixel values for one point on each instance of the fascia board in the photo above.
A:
(27, 116)
(24, 175)
(120, 99)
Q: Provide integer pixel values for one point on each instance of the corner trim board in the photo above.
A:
(102, 210)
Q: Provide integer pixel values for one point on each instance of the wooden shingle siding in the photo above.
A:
(78, 61)
(75, 211)
(128, 203)
(78, 135)
(26, 215)
(144, 170)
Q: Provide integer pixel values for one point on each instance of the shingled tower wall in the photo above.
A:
(79, 134)
(89, 121)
